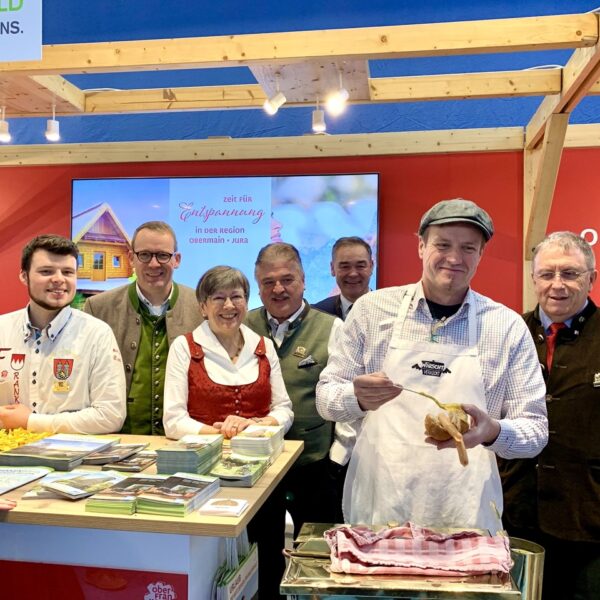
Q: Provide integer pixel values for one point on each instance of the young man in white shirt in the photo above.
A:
(64, 367)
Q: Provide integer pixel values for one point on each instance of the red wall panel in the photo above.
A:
(36, 200)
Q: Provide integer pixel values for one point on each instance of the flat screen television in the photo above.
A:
(222, 221)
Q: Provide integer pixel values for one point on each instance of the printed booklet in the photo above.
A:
(62, 451)
(178, 495)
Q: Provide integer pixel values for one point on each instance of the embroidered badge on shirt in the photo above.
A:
(61, 387)
(309, 361)
(63, 367)
(300, 351)
(596, 380)
(432, 368)
(17, 361)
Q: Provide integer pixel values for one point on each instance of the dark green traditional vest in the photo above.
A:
(145, 398)
(303, 355)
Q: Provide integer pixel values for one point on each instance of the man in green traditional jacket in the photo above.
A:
(303, 337)
(146, 316)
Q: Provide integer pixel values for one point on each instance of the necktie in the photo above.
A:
(551, 342)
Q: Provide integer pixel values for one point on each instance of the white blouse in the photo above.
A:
(221, 370)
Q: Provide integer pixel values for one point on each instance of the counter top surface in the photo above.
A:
(66, 513)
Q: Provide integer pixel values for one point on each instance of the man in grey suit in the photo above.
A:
(146, 316)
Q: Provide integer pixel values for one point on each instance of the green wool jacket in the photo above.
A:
(558, 492)
(120, 308)
(303, 355)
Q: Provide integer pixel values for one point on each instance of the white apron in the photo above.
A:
(394, 475)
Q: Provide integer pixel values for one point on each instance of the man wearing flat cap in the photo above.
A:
(440, 338)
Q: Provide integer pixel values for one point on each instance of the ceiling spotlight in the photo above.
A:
(53, 127)
(273, 104)
(318, 121)
(4, 133)
(336, 101)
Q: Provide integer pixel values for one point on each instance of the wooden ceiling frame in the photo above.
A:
(308, 64)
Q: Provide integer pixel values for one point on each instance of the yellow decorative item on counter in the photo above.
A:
(13, 438)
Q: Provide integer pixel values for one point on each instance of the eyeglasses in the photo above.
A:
(236, 300)
(161, 257)
(565, 275)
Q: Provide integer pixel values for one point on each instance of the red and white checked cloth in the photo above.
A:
(414, 550)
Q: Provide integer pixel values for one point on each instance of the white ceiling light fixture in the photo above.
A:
(53, 127)
(273, 104)
(5, 136)
(335, 103)
(318, 120)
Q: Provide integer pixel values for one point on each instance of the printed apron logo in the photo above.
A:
(431, 368)
(160, 591)
(63, 367)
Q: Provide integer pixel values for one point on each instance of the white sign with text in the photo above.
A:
(20, 30)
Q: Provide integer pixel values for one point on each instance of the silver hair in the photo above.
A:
(567, 240)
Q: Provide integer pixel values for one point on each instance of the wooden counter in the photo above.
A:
(66, 513)
(185, 551)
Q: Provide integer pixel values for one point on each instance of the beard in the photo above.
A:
(54, 306)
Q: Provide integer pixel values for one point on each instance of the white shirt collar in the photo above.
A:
(278, 330)
(155, 310)
(346, 304)
(52, 329)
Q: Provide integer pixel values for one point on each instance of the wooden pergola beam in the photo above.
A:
(501, 84)
(540, 174)
(399, 41)
(310, 146)
(167, 99)
(580, 74)
(390, 89)
(544, 174)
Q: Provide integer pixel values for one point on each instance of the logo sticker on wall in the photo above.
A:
(160, 591)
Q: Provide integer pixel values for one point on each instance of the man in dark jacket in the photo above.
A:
(303, 338)
(554, 499)
(352, 267)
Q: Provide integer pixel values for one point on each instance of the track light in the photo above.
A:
(5, 136)
(318, 120)
(53, 127)
(336, 101)
(273, 104)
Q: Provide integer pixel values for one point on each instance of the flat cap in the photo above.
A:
(458, 210)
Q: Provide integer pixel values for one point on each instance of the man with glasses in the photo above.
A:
(146, 316)
(437, 338)
(554, 499)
